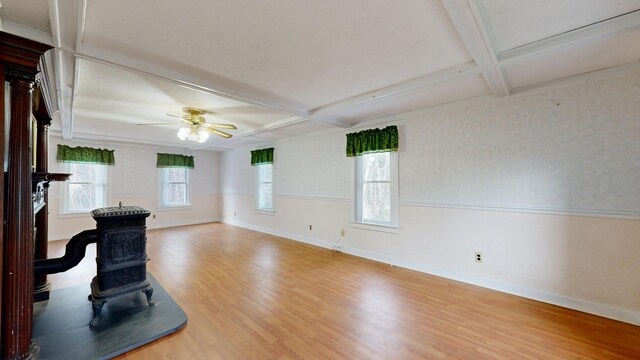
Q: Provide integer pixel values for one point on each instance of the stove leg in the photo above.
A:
(149, 292)
(97, 309)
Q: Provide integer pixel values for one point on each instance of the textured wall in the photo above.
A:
(473, 179)
(570, 149)
(134, 181)
(313, 166)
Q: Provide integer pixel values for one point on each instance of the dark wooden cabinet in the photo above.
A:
(18, 68)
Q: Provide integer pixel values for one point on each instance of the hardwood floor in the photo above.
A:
(250, 295)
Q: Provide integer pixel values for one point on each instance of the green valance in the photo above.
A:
(372, 141)
(262, 156)
(85, 155)
(174, 160)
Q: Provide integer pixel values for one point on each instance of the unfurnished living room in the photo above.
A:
(415, 179)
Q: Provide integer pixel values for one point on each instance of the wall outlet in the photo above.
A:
(478, 257)
(234, 213)
(310, 227)
(342, 232)
(153, 216)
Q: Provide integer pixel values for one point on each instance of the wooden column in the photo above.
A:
(19, 246)
(41, 285)
(20, 58)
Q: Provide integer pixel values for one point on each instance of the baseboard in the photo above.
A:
(182, 223)
(624, 315)
(283, 234)
(56, 237)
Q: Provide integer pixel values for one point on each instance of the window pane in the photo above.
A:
(81, 173)
(81, 197)
(176, 174)
(177, 194)
(376, 202)
(264, 201)
(377, 167)
(265, 173)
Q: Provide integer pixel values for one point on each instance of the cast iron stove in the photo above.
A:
(121, 256)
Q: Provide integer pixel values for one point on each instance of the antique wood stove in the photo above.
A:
(121, 256)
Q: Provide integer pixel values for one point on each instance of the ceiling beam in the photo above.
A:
(397, 89)
(580, 79)
(570, 38)
(88, 52)
(468, 22)
(64, 64)
(106, 57)
(273, 126)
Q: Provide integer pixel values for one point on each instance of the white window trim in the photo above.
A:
(160, 193)
(394, 226)
(257, 190)
(64, 189)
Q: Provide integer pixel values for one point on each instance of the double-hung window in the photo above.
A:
(262, 159)
(375, 194)
(173, 179)
(376, 189)
(264, 176)
(174, 186)
(86, 188)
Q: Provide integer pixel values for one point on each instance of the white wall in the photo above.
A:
(546, 186)
(134, 181)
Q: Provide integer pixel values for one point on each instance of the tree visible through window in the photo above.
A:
(175, 186)
(265, 187)
(86, 187)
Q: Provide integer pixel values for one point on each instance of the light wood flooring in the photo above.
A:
(250, 295)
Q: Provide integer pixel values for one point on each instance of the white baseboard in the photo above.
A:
(624, 315)
(182, 223)
(56, 237)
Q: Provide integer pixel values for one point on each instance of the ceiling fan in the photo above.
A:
(195, 127)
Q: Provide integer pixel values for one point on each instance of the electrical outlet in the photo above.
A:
(154, 216)
(310, 227)
(342, 232)
(478, 257)
(234, 213)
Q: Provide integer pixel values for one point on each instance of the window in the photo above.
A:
(86, 188)
(376, 189)
(174, 186)
(265, 187)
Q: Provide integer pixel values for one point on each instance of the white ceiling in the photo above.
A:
(285, 68)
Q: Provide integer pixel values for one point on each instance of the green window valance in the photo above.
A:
(174, 160)
(262, 156)
(85, 155)
(372, 141)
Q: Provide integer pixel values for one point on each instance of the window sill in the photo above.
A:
(265, 212)
(374, 227)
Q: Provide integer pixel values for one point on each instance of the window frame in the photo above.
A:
(163, 185)
(258, 189)
(357, 197)
(104, 175)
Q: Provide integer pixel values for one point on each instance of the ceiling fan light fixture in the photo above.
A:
(183, 133)
(195, 127)
(203, 135)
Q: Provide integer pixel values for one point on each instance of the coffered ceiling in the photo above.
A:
(286, 67)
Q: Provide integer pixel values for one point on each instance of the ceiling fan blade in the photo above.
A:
(162, 123)
(222, 126)
(220, 133)
(175, 116)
